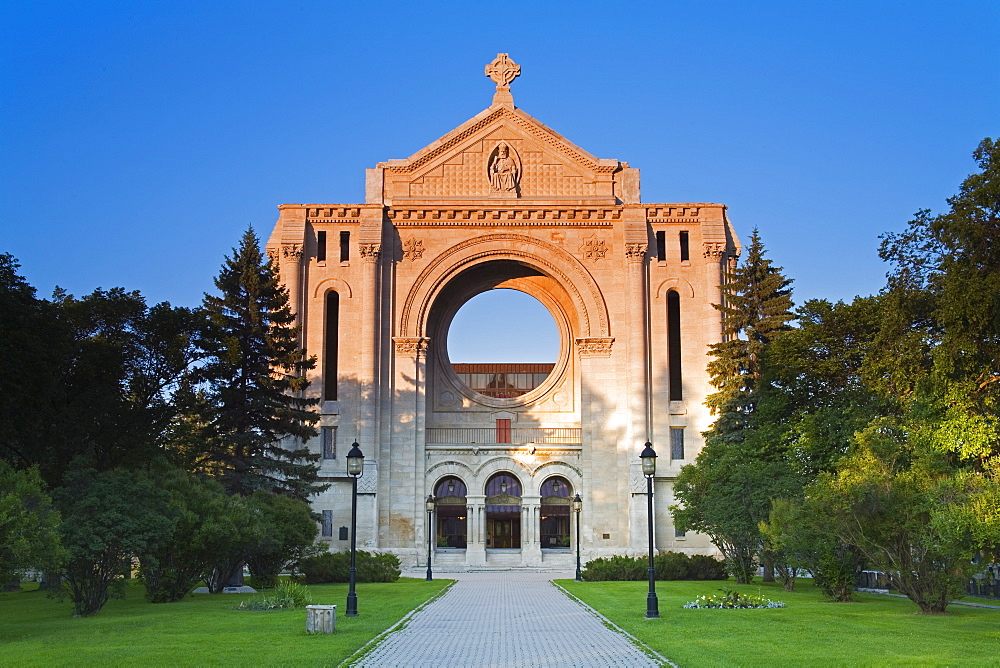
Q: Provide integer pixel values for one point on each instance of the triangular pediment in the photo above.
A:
(502, 153)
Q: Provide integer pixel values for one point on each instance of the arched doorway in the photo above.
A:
(503, 512)
(554, 516)
(452, 525)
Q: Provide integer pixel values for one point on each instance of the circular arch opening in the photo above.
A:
(521, 317)
(503, 343)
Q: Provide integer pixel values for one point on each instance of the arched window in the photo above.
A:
(503, 511)
(331, 337)
(676, 386)
(554, 519)
(452, 526)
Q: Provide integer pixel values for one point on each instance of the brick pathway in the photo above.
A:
(509, 620)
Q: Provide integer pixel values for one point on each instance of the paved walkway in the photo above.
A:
(510, 620)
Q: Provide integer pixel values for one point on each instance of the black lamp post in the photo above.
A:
(648, 458)
(355, 467)
(429, 505)
(577, 507)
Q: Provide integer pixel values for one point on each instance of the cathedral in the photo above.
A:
(504, 202)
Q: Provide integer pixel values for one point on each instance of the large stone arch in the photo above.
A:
(590, 313)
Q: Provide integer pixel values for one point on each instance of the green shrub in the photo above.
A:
(617, 567)
(335, 567)
(287, 595)
(704, 567)
(666, 566)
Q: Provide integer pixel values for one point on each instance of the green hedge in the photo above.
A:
(667, 566)
(335, 567)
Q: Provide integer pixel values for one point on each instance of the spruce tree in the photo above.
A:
(757, 305)
(255, 417)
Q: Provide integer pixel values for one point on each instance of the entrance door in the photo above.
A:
(503, 532)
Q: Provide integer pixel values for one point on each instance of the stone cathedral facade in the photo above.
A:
(502, 201)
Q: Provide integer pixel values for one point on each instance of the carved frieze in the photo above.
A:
(635, 252)
(370, 252)
(411, 346)
(413, 249)
(292, 252)
(593, 248)
(273, 255)
(594, 346)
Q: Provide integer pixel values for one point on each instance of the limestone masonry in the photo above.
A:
(502, 201)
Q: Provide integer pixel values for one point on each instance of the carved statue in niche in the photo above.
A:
(504, 169)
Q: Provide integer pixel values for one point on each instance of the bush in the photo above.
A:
(335, 567)
(666, 566)
(615, 568)
(287, 595)
(704, 567)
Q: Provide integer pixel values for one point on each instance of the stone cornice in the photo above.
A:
(493, 216)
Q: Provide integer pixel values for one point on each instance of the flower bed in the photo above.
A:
(732, 600)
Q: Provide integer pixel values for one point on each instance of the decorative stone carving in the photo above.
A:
(413, 249)
(407, 346)
(273, 255)
(504, 169)
(368, 482)
(715, 249)
(593, 248)
(292, 252)
(503, 70)
(594, 346)
(636, 480)
(635, 252)
(370, 252)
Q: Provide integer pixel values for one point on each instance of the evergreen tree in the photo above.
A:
(756, 307)
(255, 418)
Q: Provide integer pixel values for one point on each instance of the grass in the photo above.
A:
(875, 631)
(202, 629)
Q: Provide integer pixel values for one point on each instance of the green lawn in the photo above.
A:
(875, 631)
(202, 629)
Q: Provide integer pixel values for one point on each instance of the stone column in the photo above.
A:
(475, 553)
(291, 274)
(402, 451)
(531, 542)
(716, 269)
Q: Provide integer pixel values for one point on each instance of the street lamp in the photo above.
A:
(577, 507)
(355, 467)
(648, 458)
(429, 505)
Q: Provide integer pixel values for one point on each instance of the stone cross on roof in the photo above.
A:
(502, 71)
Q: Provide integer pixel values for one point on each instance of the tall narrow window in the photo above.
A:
(661, 246)
(503, 431)
(685, 247)
(321, 246)
(329, 442)
(330, 347)
(677, 443)
(345, 246)
(676, 387)
(327, 524)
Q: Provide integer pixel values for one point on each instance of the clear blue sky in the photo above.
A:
(138, 140)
